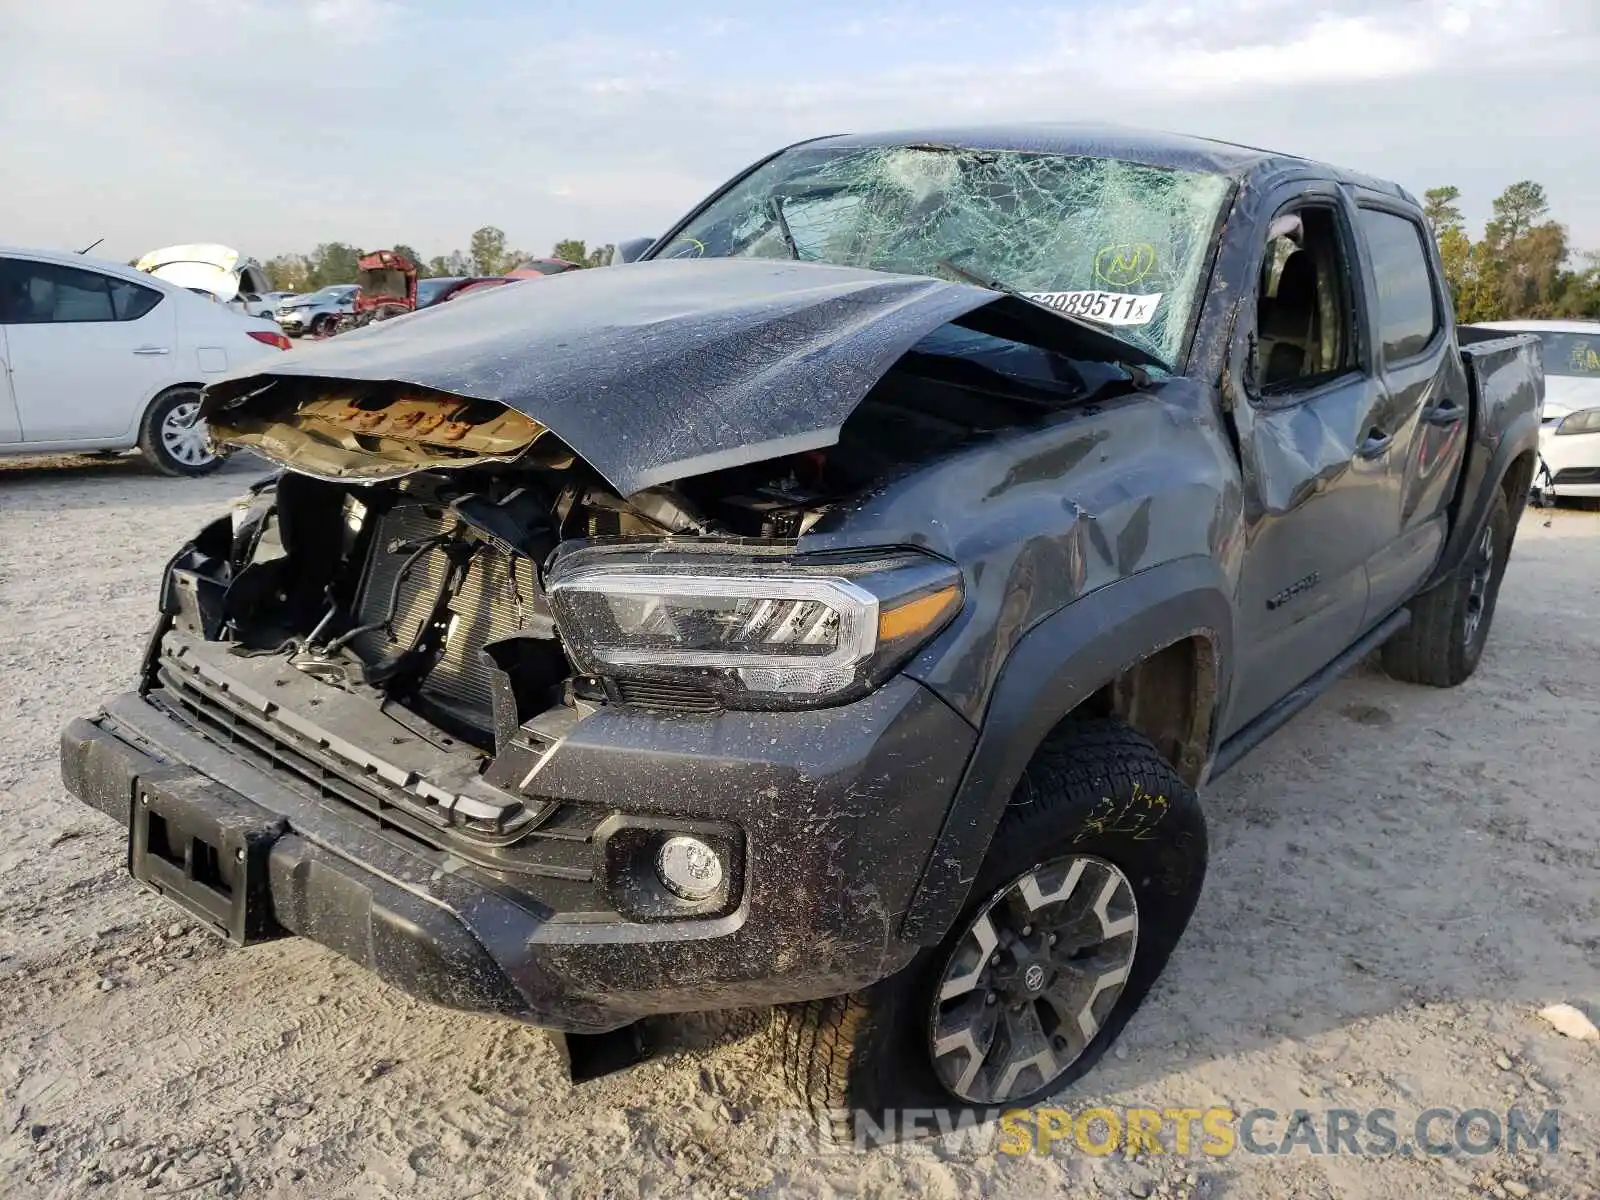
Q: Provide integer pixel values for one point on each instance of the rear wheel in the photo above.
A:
(1450, 624)
(1088, 885)
(173, 437)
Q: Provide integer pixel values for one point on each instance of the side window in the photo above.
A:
(1303, 331)
(130, 301)
(1408, 310)
(36, 293)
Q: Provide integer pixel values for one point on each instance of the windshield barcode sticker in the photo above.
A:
(1108, 308)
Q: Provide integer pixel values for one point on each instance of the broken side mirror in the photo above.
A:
(632, 249)
(1287, 226)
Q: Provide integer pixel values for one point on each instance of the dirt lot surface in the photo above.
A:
(1400, 880)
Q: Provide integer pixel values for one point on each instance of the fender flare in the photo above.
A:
(1053, 668)
(1477, 496)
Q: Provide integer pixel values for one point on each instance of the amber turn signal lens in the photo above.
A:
(918, 616)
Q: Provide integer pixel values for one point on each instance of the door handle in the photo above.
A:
(1377, 441)
(1446, 412)
(151, 350)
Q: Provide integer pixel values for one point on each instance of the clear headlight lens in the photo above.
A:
(758, 631)
(1587, 421)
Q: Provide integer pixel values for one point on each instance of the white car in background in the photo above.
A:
(96, 356)
(1569, 440)
(236, 281)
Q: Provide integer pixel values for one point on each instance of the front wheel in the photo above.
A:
(173, 437)
(1090, 880)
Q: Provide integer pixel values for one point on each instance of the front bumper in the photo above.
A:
(295, 320)
(1573, 461)
(838, 810)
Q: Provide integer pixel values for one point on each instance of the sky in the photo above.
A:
(272, 125)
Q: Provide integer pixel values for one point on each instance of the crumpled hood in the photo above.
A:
(656, 371)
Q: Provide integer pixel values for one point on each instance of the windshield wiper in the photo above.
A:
(994, 285)
(775, 207)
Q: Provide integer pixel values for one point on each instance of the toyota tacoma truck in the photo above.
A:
(838, 609)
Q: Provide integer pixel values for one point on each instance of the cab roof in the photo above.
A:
(1173, 151)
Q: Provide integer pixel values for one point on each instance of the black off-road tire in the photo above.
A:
(1443, 644)
(1094, 788)
(153, 445)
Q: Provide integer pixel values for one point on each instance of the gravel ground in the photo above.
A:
(1399, 881)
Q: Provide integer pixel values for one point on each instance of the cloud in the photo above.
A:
(275, 124)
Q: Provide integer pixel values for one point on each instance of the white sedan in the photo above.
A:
(94, 356)
(1569, 440)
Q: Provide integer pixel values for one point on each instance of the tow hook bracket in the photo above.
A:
(207, 853)
(592, 1056)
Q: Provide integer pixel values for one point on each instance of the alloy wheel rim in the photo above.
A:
(1478, 587)
(183, 435)
(1032, 979)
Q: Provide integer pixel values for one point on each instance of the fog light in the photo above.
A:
(688, 867)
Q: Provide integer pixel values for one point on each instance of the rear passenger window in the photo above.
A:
(130, 301)
(1408, 313)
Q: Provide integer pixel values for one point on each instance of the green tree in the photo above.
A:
(407, 252)
(571, 249)
(332, 262)
(288, 272)
(450, 265)
(1520, 258)
(1455, 256)
(1579, 291)
(576, 250)
(489, 254)
(1515, 211)
(1439, 207)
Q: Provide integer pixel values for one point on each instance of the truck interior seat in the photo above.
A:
(1287, 322)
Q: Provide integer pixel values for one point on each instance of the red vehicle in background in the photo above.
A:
(438, 289)
(388, 287)
(537, 268)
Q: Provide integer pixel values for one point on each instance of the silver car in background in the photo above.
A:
(317, 312)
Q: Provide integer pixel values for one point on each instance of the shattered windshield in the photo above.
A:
(1114, 242)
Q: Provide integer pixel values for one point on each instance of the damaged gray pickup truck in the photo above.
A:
(837, 609)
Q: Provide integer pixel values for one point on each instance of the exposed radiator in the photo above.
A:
(484, 606)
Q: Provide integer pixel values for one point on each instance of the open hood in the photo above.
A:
(651, 371)
(210, 267)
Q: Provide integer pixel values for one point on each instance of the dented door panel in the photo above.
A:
(1319, 504)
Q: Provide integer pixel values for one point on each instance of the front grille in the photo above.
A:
(668, 697)
(485, 607)
(558, 848)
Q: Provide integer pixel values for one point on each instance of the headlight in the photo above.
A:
(1587, 421)
(755, 629)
